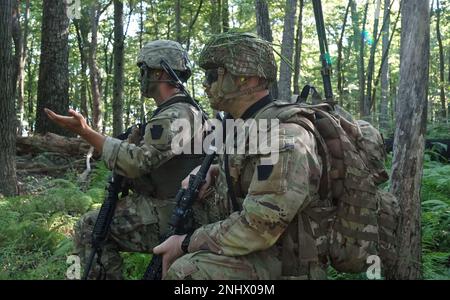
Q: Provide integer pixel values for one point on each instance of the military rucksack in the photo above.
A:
(363, 218)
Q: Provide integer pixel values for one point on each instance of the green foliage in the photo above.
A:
(135, 265)
(438, 131)
(35, 231)
(436, 220)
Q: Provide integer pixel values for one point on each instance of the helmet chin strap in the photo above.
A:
(147, 82)
(232, 95)
(247, 91)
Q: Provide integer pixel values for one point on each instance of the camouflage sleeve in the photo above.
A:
(133, 161)
(276, 193)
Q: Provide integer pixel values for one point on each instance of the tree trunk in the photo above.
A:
(265, 32)
(94, 71)
(118, 68)
(298, 49)
(178, 21)
(441, 63)
(361, 75)
(8, 180)
(357, 43)
(143, 111)
(390, 92)
(371, 65)
(287, 46)
(31, 73)
(191, 27)
(82, 41)
(383, 117)
(17, 38)
(53, 83)
(340, 74)
(21, 71)
(225, 16)
(215, 17)
(108, 67)
(409, 140)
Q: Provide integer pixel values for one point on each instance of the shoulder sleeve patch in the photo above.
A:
(156, 131)
(264, 172)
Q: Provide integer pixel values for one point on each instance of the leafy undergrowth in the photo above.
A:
(36, 229)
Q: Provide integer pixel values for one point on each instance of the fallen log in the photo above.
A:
(53, 169)
(51, 142)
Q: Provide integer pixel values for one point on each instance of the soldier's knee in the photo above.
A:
(83, 228)
(184, 268)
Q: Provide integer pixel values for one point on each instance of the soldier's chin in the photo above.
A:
(215, 103)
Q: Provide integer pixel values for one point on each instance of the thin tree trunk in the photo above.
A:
(298, 49)
(141, 32)
(94, 71)
(357, 43)
(8, 179)
(108, 66)
(361, 75)
(383, 59)
(215, 16)
(371, 65)
(53, 83)
(340, 74)
(178, 21)
(265, 32)
(17, 38)
(128, 111)
(225, 16)
(21, 71)
(287, 46)
(154, 13)
(441, 63)
(383, 117)
(191, 25)
(118, 68)
(82, 41)
(31, 73)
(409, 140)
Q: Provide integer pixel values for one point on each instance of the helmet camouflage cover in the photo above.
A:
(171, 51)
(242, 54)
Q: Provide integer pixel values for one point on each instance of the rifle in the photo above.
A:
(102, 224)
(179, 84)
(324, 53)
(181, 221)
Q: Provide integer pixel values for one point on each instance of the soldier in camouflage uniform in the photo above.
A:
(156, 171)
(266, 233)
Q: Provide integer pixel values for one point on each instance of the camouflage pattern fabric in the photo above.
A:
(152, 53)
(272, 198)
(141, 217)
(134, 161)
(137, 225)
(204, 265)
(242, 54)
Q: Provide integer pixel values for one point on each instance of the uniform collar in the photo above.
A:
(257, 106)
(171, 100)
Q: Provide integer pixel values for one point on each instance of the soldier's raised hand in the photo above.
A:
(75, 122)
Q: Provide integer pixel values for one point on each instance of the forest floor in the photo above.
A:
(36, 227)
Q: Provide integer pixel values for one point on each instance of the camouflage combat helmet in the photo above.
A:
(171, 51)
(242, 54)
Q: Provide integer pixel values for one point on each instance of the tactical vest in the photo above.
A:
(164, 181)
